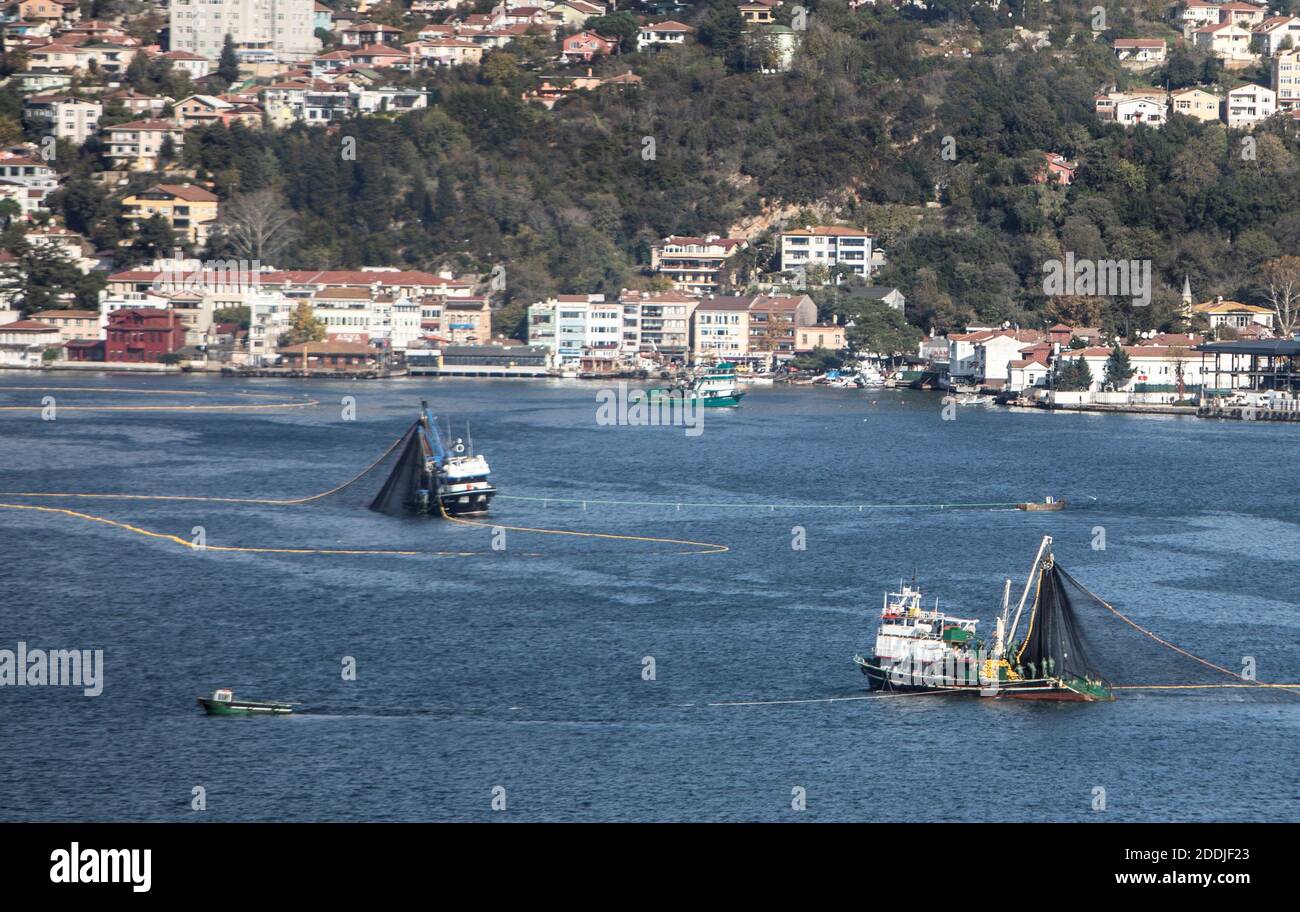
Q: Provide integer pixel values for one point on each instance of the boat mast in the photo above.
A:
(999, 642)
(1029, 580)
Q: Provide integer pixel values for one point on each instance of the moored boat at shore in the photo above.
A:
(714, 387)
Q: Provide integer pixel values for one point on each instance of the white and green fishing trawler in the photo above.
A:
(1038, 652)
(432, 478)
(712, 387)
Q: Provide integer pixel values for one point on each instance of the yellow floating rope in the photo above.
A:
(176, 539)
(288, 404)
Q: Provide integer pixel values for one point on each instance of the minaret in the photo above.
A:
(1187, 296)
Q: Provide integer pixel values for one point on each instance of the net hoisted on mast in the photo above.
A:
(1054, 643)
(1051, 661)
(412, 483)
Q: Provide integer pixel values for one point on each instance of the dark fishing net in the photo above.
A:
(1074, 633)
(403, 481)
(1055, 643)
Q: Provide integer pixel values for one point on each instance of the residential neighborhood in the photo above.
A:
(768, 296)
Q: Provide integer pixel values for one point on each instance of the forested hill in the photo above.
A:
(569, 199)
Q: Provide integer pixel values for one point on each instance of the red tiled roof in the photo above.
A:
(28, 326)
(188, 192)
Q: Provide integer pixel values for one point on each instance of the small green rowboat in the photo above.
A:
(223, 703)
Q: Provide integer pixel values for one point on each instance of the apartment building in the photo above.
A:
(264, 30)
(135, 146)
(658, 323)
(695, 264)
(189, 209)
(1227, 41)
(1276, 33)
(1286, 79)
(755, 328)
(66, 117)
(72, 324)
(829, 246)
(721, 329)
(571, 325)
(1247, 105)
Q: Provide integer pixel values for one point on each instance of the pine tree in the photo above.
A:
(228, 65)
(1118, 368)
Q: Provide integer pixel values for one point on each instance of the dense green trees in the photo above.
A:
(43, 277)
(572, 198)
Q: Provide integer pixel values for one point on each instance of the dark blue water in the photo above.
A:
(522, 668)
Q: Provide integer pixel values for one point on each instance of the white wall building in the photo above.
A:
(568, 324)
(1131, 112)
(829, 246)
(283, 29)
(1249, 104)
(1275, 33)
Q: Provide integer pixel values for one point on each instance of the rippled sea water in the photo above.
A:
(522, 668)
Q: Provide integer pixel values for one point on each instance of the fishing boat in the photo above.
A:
(713, 387)
(919, 649)
(223, 703)
(928, 650)
(1047, 504)
(432, 478)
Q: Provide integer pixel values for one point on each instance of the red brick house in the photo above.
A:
(143, 334)
(586, 45)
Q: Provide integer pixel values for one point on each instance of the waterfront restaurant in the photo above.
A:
(1264, 364)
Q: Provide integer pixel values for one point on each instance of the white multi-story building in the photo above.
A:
(280, 29)
(695, 264)
(571, 324)
(722, 328)
(73, 119)
(1249, 104)
(1227, 41)
(658, 323)
(1276, 33)
(1196, 13)
(827, 245)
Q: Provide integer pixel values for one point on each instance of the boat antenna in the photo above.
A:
(469, 438)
